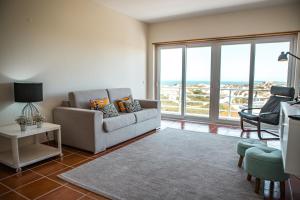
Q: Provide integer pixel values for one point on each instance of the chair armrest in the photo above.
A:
(149, 103)
(79, 127)
(268, 113)
(245, 109)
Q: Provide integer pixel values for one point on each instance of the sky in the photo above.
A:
(235, 63)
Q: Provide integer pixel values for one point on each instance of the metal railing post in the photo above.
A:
(229, 110)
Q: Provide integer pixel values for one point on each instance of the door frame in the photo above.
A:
(216, 73)
(253, 42)
(157, 77)
(200, 118)
(182, 115)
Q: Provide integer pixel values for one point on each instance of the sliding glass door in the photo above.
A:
(268, 71)
(214, 81)
(197, 92)
(234, 80)
(171, 80)
(185, 80)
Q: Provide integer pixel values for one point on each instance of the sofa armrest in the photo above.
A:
(149, 103)
(80, 127)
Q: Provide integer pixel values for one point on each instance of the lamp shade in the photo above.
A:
(28, 92)
(283, 57)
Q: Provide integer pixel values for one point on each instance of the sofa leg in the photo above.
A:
(257, 185)
(249, 177)
(282, 190)
(240, 161)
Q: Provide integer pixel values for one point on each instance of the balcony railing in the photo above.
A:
(231, 100)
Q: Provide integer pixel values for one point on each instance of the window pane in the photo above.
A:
(198, 81)
(268, 71)
(234, 82)
(170, 80)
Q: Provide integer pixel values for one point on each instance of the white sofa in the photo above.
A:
(87, 129)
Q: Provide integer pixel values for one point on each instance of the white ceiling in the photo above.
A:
(163, 10)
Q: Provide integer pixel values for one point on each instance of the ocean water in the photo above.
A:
(171, 82)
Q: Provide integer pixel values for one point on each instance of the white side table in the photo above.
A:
(21, 156)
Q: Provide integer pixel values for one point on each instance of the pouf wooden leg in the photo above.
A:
(257, 185)
(249, 177)
(240, 161)
(282, 189)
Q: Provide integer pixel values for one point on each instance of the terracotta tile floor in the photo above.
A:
(40, 181)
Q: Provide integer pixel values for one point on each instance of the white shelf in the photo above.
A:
(14, 131)
(29, 154)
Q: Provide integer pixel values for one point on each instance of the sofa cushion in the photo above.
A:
(121, 103)
(114, 123)
(96, 104)
(133, 106)
(81, 99)
(109, 111)
(146, 114)
(115, 94)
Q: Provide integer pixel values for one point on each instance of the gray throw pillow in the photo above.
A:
(109, 111)
(134, 106)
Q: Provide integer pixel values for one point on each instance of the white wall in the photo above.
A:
(265, 20)
(68, 45)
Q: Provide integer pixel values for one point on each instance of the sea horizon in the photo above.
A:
(193, 82)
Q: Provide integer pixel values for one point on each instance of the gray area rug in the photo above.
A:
(170, 165)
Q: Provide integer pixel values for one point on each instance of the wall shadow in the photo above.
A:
(6, 95)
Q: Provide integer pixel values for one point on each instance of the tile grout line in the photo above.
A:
(9, 190)
(71, 166)
(32, 168)
(49, 161)
(25, 183)
(43, 176)
(44, 194)
(28, 183)
(51, 178)
(14, 191)
(76, 190)
(21, 194)
(14, 174)
(62, 185)
(81, 197)
(87, 196)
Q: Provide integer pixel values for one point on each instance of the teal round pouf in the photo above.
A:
(245, 144)
(265, 163)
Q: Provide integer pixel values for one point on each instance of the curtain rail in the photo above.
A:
(227, 38)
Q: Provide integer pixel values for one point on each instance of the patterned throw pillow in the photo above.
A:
(96, 104)
(137, 105)
(120, 103)
(133, 106)
(109, 111)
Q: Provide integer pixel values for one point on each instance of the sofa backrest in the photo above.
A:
(80, 99)
(118, 93)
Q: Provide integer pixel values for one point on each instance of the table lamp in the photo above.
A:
(29, 93)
